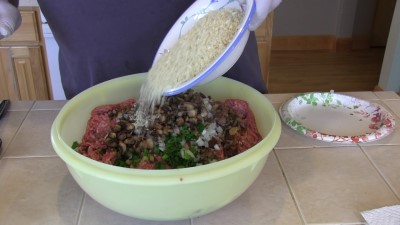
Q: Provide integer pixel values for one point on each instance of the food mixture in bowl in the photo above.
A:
(185, 130)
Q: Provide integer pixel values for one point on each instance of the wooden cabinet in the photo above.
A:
(264, 39)
(23, 73)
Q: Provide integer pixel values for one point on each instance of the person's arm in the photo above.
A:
(263, 8)
(10, 17)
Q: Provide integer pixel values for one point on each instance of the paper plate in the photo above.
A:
(332, 117)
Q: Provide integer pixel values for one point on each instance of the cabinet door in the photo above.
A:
(8, 89)
(264, 39)
(23, 73)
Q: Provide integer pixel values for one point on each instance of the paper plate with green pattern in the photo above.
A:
(338, 118)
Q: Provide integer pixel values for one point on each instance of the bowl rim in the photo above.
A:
(240, 34)
(163, 177)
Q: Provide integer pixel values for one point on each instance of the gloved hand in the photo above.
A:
(263, 8)
(10, 19)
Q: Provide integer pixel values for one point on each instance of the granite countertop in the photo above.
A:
(305, 181)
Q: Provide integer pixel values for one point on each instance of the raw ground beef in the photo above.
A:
(251, 136)
(98, 126)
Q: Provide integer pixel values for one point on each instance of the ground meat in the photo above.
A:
(98, 127)
(245, 138)
(186, 130)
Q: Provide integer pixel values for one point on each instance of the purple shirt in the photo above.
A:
(14, 2)
(101, 40)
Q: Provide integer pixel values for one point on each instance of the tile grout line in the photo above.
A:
(79, 216)
(361, 223)
(31, 157)
(380, 174)
(315, 146)
(299, 211)
(389, 109)
(16, 132)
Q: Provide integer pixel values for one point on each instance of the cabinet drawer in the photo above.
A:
(28, 32)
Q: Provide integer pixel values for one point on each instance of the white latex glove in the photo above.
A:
(263, 8)
(10, 19)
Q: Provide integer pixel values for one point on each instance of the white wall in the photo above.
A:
(346, 14)
(341, 18)
(390, 74)
(305, 17)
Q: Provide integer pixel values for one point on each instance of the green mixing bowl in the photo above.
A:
(163, 194)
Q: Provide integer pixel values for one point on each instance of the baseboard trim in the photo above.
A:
(319, 42)
(361, 42)
(344, 44)
(377, 88)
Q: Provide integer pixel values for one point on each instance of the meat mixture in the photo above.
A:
(186, 130)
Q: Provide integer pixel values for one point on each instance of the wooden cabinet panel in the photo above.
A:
(261, 31)
(7, 82)
(263, 57)
(23, 68)
(24, 74)
(30, 73)
(264, 39)
(27, 32)
(3, 81)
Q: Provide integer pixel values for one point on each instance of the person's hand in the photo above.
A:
(263, 8)
(10, 19)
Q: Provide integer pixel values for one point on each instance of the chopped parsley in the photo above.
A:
(75, 145)
(175, 154)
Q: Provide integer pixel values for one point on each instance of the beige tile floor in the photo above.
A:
(304, 181)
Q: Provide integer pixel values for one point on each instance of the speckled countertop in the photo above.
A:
(304, 181)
